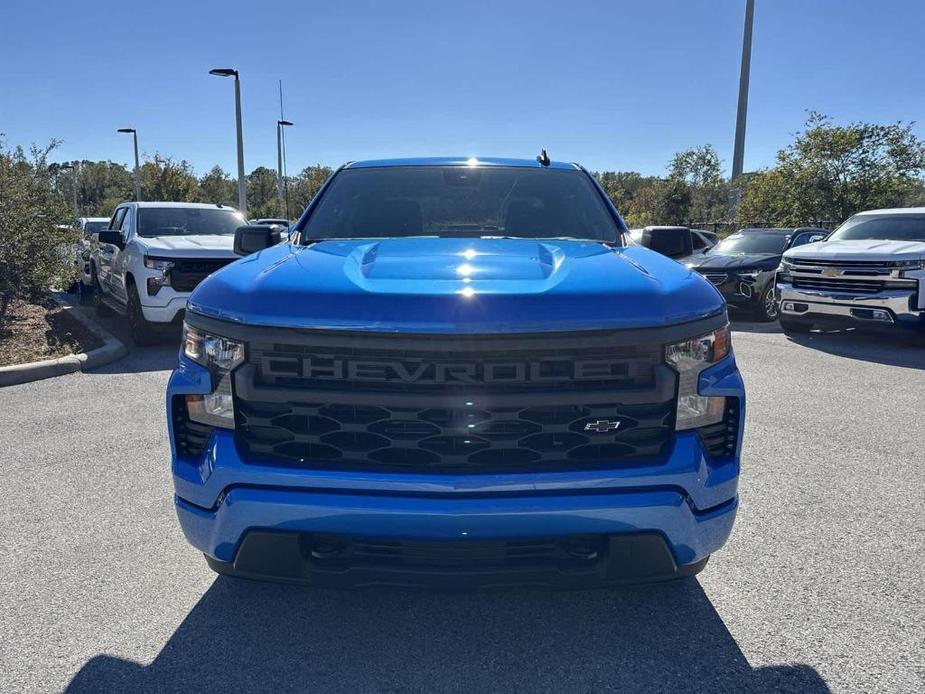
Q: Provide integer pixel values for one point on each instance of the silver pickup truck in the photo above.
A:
(870, 272)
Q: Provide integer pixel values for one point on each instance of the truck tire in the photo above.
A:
(101, 308)
(795, 327)
(143, 331)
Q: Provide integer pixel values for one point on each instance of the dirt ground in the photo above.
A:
(32, 332)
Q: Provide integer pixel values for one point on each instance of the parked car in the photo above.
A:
(743, 265)
(869, 273)
(803, 235)
(153, 254)
(89, 227)
(266, 221)
(461, 374)
(677, 242)
(282, 224)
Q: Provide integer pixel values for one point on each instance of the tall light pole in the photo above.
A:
(280, 124)
(137, 178)
(242, 192)
(73, 167)
(738, 154)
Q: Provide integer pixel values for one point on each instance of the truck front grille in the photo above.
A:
(185, 275)
(839, 284)
(451, 404)
(454, 439)
(847, 276)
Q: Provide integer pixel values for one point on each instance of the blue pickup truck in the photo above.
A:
(455, 372)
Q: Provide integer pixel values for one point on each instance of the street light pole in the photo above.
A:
(242, 191)
(280, 124)
(738, 155)
(137, 175)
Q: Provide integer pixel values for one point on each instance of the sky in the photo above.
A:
(614, 85)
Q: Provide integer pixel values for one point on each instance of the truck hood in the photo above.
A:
(193, 246)
(456, 286)
(859, 250)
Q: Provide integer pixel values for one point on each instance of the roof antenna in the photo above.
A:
(543, 158)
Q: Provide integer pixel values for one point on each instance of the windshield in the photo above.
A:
(882, 227)
(752, 243)
(93, 227)
(187, 221)
(461, 201)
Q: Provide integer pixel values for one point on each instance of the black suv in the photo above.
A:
(742, 266)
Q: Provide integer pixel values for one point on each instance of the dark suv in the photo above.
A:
(742, 266)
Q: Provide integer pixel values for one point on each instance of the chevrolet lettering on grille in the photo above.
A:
(317, 367)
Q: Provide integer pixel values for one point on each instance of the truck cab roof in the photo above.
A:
(458, 161)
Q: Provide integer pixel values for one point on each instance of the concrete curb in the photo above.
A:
(111, 349)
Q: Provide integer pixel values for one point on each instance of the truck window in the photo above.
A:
(461, 201)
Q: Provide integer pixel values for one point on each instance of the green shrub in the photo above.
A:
(36, 255)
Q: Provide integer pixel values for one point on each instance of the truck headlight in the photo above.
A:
(901, 268)
(162, 265)
(155, 263)
(220, 355)
(689, 358)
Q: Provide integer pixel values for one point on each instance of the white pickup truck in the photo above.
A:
(870, 272)
(153, 254)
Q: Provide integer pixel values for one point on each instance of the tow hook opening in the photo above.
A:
(326, 548)
(584, 548)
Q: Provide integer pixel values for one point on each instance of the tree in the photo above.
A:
(830, 172)
(35, 253)
(659, 201)
(701, 171)
(262, 193)
(218, 188)
(302, 188)
(164, 179)
(101, 185)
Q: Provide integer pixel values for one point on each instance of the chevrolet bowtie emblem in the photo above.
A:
(831, 272)
(602, 426)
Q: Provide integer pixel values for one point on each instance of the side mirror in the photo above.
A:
(253, 238)
(113, 238)
(817, 238)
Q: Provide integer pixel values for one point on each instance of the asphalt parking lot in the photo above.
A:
(820, 588)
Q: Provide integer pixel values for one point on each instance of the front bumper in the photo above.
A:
(741, 291)
(169, 309)
(687, 500)
(893, 308)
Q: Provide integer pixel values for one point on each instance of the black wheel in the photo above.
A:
(795, 327)
(769, 309)
(101, 308)
(143, 332)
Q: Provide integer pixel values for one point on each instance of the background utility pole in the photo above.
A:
(739, 151)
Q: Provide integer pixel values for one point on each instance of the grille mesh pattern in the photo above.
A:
(446, 439)
(186, 274)
(522, 404)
